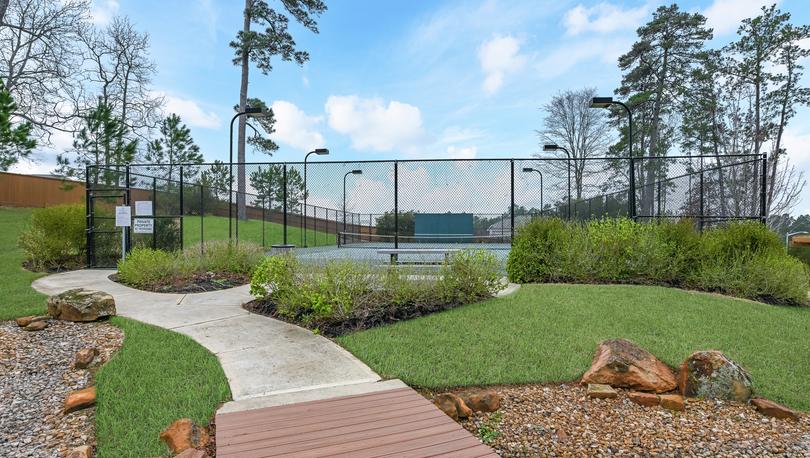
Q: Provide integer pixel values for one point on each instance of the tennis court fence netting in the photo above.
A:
(460, 202)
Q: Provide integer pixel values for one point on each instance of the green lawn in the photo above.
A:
(15, 282)
(216, 228)
(157, 377)
(548, 333)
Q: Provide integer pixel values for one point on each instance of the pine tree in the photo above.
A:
(175, 146)
(100, 143)
(15, 139)
(259, 48)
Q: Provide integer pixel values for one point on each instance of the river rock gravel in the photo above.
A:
(559, 420)
(36, 374)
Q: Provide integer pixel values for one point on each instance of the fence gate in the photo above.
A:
(106, 189)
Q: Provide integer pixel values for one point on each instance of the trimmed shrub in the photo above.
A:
(159, 270)
(743, 259)
(56, 238)
(342, 296)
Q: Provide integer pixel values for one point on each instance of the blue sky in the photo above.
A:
(396, 79)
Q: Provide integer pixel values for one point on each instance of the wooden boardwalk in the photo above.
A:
(397, 422)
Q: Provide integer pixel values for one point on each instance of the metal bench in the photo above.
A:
(395, 252)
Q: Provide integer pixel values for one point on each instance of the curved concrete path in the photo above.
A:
(267, 362)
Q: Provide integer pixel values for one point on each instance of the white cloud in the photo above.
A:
(374, 125)
(567, 56)
(461, 152)
(603, 18)
(295, 128)
(725, 16)
(103, 11)
(190, 111)
(499, 57)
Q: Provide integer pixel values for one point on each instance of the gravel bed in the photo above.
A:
(36, 374)
(558, 420)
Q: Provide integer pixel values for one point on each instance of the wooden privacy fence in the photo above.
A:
(18, 190)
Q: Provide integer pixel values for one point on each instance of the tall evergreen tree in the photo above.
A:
(100, 142)
(174, 146)
(15, 138)
(656, 71)
(259, 48)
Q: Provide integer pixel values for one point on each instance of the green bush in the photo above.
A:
(55, 238)
(742, 259)
(345, 295)
(150, 269)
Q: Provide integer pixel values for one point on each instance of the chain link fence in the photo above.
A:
(395, 204)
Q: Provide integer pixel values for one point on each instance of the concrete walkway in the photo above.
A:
(267, 362)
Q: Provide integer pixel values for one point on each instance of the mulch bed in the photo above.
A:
(196, 283)
(36, 375)
(559, 420)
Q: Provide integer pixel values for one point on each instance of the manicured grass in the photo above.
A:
(216, 228)
(158, 376)
(18, 299)
(548, 333)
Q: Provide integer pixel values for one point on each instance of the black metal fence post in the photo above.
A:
(512, 201)
(568, 162)
(763, 191)
(128, 236)
(284, 206)
(88, 221)
(631, 199)
(182, 208)
(659, 199)
(701, 203)
(154, 213)
(264, 204)
(396, 204)
(202, 219)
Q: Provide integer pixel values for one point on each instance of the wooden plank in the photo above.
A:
(282, 427)
(312, 407)
(396, 422)
(305, 440)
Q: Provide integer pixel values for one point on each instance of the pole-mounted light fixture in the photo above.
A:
(606, 102)
(531, 169)
(317, 152)
(252, 112)
(601, 102)
(352, 172)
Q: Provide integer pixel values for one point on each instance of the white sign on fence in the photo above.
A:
(143, 226)
(123, 216)
(143, 208)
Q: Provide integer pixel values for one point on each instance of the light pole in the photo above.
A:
(606, 102)
(353, 172)
(319, 152)
(255, 112)
(555, 147)
(530, 170)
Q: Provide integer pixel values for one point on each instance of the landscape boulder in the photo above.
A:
(84, 357)
(80, 452)
(672, 402)
(712, 375)
(184, 434)
(453, 406)
(36, 326)
(773, 409)
(24, 321)
(621, 363)
(81, 305)
(643, 399)
(599, 391)
(80, 399)
(482, 401)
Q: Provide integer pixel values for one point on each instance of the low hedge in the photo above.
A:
(743, 259)
(228, 263)
(55, 239)
(342, 296)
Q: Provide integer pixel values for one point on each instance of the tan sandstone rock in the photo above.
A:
(36, 326)
(482, 401)
(600, 391)
(81, 305)
(672, 402)
(84, 357)
(773, 409)
(643, 399)
(85, 451)
(80, 399)
(184, 434)
(621, 363)
(453, 406)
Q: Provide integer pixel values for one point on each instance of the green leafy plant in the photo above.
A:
(489, 430)
(55, 239)
(743, 259)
